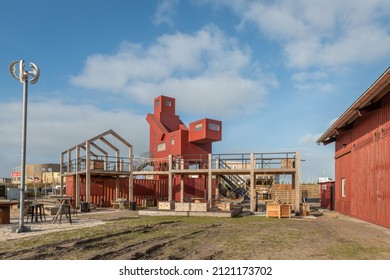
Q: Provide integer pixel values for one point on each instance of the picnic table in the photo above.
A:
(120, 203)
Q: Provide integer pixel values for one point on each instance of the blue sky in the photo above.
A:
(276, 73)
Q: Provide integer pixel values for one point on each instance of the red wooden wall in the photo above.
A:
(103, 190)
(363, 160)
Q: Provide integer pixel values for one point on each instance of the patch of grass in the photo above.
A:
(352, 250)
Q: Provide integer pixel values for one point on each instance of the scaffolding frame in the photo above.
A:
(108, 162)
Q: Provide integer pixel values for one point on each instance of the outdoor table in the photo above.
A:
(64, 208)
(121, 202)
(63, 199)
(5, 213)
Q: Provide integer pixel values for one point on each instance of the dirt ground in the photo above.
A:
(122, 234)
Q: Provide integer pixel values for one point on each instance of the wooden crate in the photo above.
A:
(278, 210)
(97, 164)
(166, 205)
(225, 206)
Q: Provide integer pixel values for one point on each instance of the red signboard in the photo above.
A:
(15, 174)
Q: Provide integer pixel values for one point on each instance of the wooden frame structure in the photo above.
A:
(82, 159)
(98, 156)
(251, 164)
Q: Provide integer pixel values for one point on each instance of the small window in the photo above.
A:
(168, 103)
(172, 141)
(213, 126)
(343, 191)
(198, 126)
(161, 147)
(158, 103)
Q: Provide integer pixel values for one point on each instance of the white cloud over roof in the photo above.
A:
(202, 67)
(321, 33)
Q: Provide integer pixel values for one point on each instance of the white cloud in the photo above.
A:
(304, 76)
(205, 67)
(53, 127)
(314, 87)
(322, 33)
(165, 11)
(309, 138)
(311, 81)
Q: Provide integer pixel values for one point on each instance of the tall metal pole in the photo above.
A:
(22, 76)
(23, 157)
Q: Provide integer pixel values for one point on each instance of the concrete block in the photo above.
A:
(182, 206)
(199, 207)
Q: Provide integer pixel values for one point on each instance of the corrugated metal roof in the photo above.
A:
(369, 97)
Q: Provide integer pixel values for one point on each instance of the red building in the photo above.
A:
(362, 154)
(327, 195)
(170, 136)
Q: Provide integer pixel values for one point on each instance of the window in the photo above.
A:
(172, 141)
(161, 147)
(343, 193)
(168, 103)
(158, 103)
(213, 126)
(198, 126)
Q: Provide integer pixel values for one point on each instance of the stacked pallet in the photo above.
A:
(284, 196)
(310, 190)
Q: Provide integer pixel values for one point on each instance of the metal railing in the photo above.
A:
(104, 163)
(283, 160)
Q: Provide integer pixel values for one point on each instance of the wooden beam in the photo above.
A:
(330, 140)
(369, 108)
(344, 128)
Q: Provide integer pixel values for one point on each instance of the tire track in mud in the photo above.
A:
(59, 249)
(158, 248)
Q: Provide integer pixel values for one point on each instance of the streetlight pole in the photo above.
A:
(23, 77)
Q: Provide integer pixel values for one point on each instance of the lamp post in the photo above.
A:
(23, 77)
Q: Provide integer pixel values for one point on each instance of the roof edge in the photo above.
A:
(351, 113)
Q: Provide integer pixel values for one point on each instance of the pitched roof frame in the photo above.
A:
(101, 137)
(367, 101)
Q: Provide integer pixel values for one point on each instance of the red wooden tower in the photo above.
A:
(170, 136)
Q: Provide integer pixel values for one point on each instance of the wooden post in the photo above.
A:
(170, 178)
(69, 162)
(210, 181)
(87, 172)
(217, 166)
(296, 177)
(117, 187)
(182, 188)
(117, 162)
(252, 186)
(131, 178)
(61, 172)
(77, 192)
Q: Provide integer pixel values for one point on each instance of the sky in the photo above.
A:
(276, 73)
